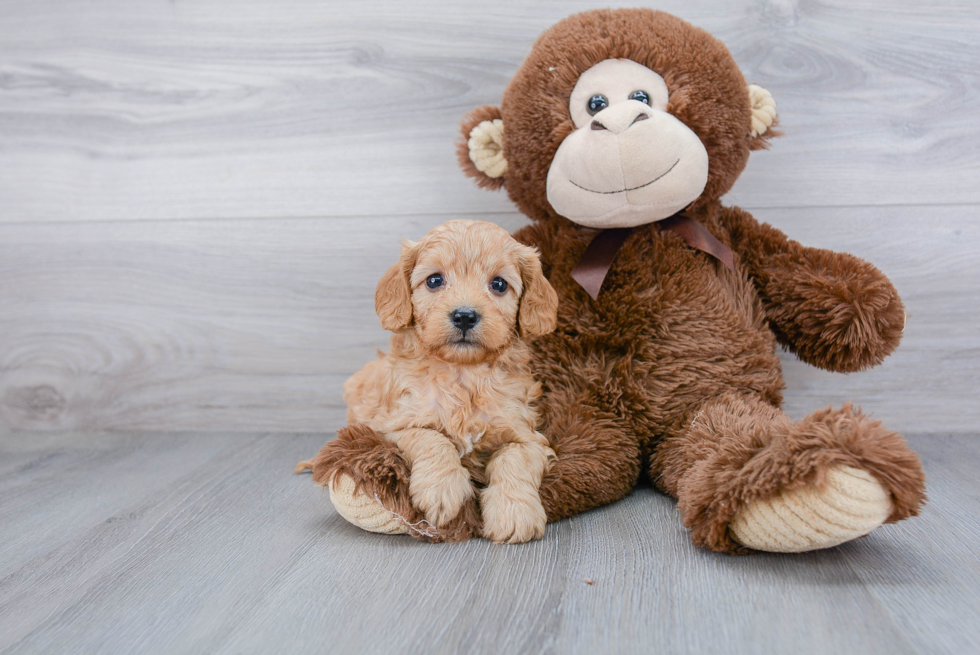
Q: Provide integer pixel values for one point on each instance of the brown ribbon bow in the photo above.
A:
(592, 268)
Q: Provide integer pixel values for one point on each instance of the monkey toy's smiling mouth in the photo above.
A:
(630, 188)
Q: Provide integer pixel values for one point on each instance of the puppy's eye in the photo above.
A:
(499, 285)
(597, 103)
(642, 96)
(434, 281)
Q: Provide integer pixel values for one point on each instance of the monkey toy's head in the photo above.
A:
(618, 118)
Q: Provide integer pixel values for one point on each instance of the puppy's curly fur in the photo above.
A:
(459, 403)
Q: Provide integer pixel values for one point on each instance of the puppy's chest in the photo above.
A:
(464, 408)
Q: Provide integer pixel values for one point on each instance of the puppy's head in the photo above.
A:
(468, 289)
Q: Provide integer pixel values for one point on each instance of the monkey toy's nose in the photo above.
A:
(464, 319)
(620, 117)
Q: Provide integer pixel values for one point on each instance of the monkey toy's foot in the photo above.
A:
(357, 506)
(850, 504)
(750, 478)
(368, 482)
(361, 510)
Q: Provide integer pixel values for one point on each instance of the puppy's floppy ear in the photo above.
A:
(480, 149)
(538, 312)
(393, 297)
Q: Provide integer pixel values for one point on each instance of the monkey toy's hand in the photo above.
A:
(831, 309)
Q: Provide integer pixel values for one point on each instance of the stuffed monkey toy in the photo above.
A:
(618, 135)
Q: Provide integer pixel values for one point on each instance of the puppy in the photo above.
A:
(455, 392)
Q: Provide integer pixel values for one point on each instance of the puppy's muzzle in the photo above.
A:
(464, 319)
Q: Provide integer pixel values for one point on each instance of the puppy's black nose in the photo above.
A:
(464, 319)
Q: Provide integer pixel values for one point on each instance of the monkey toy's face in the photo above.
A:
(619, 118)
(629, 161)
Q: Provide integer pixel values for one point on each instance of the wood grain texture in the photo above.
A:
(118, 110)
(222, 550)
(196, 200)
(255, 324)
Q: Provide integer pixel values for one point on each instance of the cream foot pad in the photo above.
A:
(362, 510)
(852, 505)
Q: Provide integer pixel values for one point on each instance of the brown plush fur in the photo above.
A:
(831, 309)
(673, 370)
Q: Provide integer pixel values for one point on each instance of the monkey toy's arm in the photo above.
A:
(831, 309)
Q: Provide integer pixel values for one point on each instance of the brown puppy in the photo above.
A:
(455, 393)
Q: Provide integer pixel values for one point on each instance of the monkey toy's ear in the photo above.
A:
(764, 119)
(481, 147)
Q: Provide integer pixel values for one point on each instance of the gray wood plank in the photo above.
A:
(237, 110)
(148, 561)
(235, 554)
(234, 319)
(940, 552)
(58, 478)
(252, 325)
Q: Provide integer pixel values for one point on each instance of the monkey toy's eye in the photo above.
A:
(597, 103)
(434, 281)
(499, 285)
(642, 96)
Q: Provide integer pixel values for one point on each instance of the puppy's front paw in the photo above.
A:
(511, 520)
(440, 498)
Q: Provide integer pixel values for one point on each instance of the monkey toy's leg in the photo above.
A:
(745, 475)
(369, 482)
(597, 457)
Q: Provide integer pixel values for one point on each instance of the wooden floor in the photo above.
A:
(206, 543)
(196, 202)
